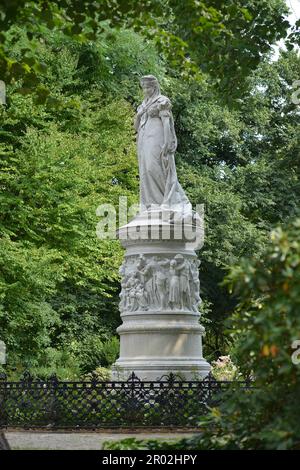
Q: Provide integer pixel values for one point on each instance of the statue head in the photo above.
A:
(141, 263)
(150, 85)
(178, 258)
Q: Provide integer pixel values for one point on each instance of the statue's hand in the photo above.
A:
(164, 157)
(164, 150)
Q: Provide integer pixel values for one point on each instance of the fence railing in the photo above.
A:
(168, 402)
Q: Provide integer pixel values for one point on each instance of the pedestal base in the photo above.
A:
(161, 333)
(160, 369)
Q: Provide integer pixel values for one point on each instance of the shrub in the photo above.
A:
(224, 369)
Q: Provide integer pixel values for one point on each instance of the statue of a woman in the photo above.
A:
(156, 146)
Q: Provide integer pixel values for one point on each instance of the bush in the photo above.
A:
(101, 374)
(110, 351)
(224, 369)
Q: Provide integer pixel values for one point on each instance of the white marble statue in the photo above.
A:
(160, 297)
(156, 146)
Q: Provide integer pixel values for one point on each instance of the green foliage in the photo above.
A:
(224, 369)
(110, 351)
(265, 326)
(224, 39)
(59, 282)
(93, 351)
(241, 164)
(61, 363)
(54, 184)
(101, 374)
(27, 319)
(132, 443)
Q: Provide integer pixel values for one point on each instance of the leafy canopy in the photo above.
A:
(225, 39)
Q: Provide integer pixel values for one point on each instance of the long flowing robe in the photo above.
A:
(159, 185)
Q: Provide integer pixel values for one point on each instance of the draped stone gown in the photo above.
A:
(158, 179)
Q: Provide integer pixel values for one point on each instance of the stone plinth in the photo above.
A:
(160, 297)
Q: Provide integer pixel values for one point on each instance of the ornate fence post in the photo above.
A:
(54, 408)
(211, 382)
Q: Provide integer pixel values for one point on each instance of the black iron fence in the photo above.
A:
(51, 403)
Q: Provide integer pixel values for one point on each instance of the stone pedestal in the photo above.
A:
(159, 304)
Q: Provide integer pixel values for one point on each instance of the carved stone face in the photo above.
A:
(148, 89)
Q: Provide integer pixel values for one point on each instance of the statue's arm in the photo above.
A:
(137, 121)
(180, 266)
(165, 115)
(163, 263)
(167, 133)
(138, 117)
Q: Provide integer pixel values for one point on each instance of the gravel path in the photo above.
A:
(28, 440)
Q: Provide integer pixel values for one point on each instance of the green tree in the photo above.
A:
(224, 39)
(243, 165)
(59, 282)
(266, 327)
